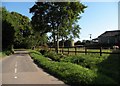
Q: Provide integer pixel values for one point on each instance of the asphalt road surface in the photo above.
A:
(20, 69)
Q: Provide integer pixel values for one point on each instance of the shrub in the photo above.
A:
(88, 61)
(52, 55)
(8, 52)
(71, 73)
(43, 52)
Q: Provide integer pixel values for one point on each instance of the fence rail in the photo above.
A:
(85, 50)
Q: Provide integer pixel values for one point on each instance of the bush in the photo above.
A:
(5, 53)
(43, 52)
(8, 52)
(87, 61)
(52, 55)
(71, 73)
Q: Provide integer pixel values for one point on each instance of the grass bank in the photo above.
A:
(107, 64)
(71, 73)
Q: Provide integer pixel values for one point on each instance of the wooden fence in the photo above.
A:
(85, 50)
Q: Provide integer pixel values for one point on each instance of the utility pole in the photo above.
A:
(90, 36)
(119, 16)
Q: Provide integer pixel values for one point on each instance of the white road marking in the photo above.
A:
(15, 70)
(15, 77)
(16, 64)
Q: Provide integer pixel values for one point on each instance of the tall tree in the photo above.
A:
(57, 18)
(7, 31)
(22, 29)
(7, 35)
(16, 30)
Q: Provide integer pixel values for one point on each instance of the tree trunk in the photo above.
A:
(62, 44)
(57, 47)
(54, 43)
(54, 39)
(12, 48)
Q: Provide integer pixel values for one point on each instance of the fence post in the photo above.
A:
(85, 50)
(75, 50)
(62, 49)
(100, 51)
(50, 48)
(68, 50)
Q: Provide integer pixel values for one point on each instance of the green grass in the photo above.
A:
(107, 64)
(71, 73)
(83, 49)
(98, 50)
(88, 61)
(89, 51)
(2, 54)
(110, 66)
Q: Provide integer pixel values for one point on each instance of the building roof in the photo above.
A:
(95, 39)
(110, 33)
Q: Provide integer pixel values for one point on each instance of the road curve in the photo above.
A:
(19, 68)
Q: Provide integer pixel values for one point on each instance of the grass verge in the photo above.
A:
(5, 53)
(70, 73)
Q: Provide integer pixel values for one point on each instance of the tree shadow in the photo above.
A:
(110, 67)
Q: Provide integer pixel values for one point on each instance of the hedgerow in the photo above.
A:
(87, 61)
(52, 55)
(70, 73)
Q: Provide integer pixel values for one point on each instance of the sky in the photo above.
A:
(119, 15)
(97, 18)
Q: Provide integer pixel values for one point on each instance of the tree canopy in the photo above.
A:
(17, 31)
(7, 31)
(59, 18)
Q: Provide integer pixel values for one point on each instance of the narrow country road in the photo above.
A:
(20, 69)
